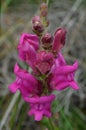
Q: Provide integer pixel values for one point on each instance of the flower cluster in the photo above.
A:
(42, 53)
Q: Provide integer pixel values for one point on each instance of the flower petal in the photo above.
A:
(43, 99)
(25, 75)
(38, 115)
(13, 87)
(61, 59)
(31, 39)
(47, 113)
(57, 79)
(59, 39)
(74, 85)
(62, 85)
(16, 68)
(31, 56)
(65, 69)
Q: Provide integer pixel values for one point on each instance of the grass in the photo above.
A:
(73, 121)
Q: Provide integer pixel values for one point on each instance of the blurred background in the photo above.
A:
(70, 106)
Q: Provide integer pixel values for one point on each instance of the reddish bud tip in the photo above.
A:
(36, 19)
(44, 9)
(62, 33)
(59, 39)
(38, 26)
(44, 13)
(47, 40)
(43, 6)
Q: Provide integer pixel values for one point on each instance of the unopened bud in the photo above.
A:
(44, 9)
(44, 13)
(47, 40)
(61, 32)
(38, 27)
(43, 6)
(36, 19)
(59, 39)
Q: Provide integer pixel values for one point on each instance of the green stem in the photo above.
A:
(51, 123)
(41, 125)
(45, 87)
(46, 1)
(5, 5)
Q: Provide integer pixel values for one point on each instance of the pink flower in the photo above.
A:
(59, 39)
(27, 48)
(40, 61)
(25, 83)
(63, 74)
(44, 61)
(40, 106)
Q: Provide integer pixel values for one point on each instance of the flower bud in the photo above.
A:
(47, 40)
(43, 6)
(36, 19)
(62, 33)
(59, 39)
(44, 9)
(38, 27)
(44, 13)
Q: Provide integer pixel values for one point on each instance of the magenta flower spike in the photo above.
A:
(63, 75)
(40, 106)
(59, 39)
(49, 70)
(25, 83)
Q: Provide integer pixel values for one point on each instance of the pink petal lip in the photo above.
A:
(67, 69)
(43, 99)
(25, 82)
(38, 114)
(23, 74)
(74, 85)
(40, 106)
(63, 74)
(13, 87)
(62, 85)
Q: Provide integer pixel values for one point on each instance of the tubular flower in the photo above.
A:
(40, 106)
(59, 39)
(25, 83)
(27, 48)
(63, 74)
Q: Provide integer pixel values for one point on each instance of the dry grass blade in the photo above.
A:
(10, 31)
(73, 9)
(9, 109)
